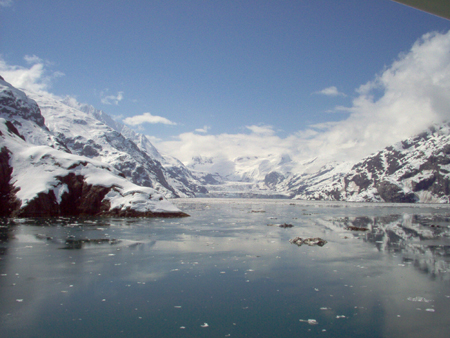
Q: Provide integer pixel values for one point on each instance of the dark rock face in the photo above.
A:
(13, 106)
(133, 213)
(8, 201)
(393, 193)
(273, 178)
(81, 199)
(209, 179)
(13, 129)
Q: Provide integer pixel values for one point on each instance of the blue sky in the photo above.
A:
(226, 65)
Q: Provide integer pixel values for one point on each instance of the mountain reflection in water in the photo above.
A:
(421, 240)
(384, 271)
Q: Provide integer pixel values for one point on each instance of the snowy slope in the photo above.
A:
(250, 176)
(90, 132)
(47, 180)
(269, 176)
(414, 170)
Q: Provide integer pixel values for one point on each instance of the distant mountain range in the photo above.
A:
(53, 135)
(414, 170)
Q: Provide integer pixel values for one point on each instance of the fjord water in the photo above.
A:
(225, 271)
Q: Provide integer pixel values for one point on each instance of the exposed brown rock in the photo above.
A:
(8, 200)
(82, 199)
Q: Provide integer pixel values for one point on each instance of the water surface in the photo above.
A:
(384, 272)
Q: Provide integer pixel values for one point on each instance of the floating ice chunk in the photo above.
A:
(419, 299)
(177, 306)
(341, 316)
(430, 310)
(182, 327)
(309, 321)
(204, 325)
(21, 300)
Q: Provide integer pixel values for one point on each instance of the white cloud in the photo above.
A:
(33, 59)
(260, 142)
(330, 91)
(415, 93)
(203, 130)
(262, 130)
(111, 99)
(37, 78)
(403, 100)
(146, 118)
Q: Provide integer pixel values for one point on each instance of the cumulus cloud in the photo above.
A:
(203, 130)
(330, 91)
(146, 118)
(403, 100)
(111, 99)
(37, 78)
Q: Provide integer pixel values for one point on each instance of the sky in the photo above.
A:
(339, 79)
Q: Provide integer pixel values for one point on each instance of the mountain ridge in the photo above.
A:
(40, 176)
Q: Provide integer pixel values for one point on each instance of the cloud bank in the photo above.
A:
(404, 99)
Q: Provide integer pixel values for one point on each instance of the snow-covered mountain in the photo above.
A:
(272, 176)
(39, 176)
(89, 132)
(414, 170)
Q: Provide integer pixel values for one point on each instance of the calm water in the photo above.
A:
(224, 272)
